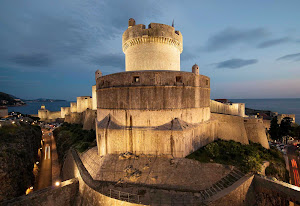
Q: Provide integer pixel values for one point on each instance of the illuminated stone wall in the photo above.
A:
(256, 132)
(237, 109)
(156, 48)
(65, 111)
(83, 103)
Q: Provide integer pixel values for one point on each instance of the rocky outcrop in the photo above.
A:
(19, 146)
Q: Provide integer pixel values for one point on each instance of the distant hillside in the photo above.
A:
(45, 100)
(9, 100)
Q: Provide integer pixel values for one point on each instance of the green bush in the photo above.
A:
(246, 157)
(72, 135)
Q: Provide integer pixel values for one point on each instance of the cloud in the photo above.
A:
(113, 60)
(292, 57)
(33, 60)
(232, 36)
(273, 42)
(235, 63)
(65, 30)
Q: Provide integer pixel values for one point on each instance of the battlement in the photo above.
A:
(157, 47)
(156, 33)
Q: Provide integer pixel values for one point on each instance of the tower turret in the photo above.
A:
(195, 69)
(156, 48)
(98, 74)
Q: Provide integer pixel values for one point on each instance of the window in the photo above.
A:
(136, 79)
(179, 79)
(207, 82)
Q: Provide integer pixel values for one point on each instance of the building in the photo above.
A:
(154, 108)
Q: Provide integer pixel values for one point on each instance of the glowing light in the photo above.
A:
(31, 188)
(13, 122)
(37, 163)
(57, 183)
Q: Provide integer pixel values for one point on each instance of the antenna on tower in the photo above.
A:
(173, 23)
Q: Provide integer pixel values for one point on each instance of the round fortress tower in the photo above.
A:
(156, 48)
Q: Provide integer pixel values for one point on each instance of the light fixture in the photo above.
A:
(57, 183)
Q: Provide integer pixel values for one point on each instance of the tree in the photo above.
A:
(285, 126)
(274, 129)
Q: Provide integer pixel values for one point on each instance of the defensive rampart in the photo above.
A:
(256, 131)
(229, 127)
(65, 195)
(237, 109)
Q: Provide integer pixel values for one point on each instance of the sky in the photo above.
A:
(51, 49)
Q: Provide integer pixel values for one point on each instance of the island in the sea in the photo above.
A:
(12, 101)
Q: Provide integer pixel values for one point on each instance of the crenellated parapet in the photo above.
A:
(157, 47)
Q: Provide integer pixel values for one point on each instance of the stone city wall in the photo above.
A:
(237, 109)
(83, 103)
(256, 131)
(65, 195)
(176, 138)
(94, 98)
(229, 127)
(152, 118)
(241, 193)
(45, 114)
(87, 194)
(153, 90)
(73, 106)
(65, 111)
(89, 117)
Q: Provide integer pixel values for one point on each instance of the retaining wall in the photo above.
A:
(229, 127)
(65, 195)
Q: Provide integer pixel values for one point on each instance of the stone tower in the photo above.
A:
(156, 48)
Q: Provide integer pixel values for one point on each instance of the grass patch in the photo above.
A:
(248, 158)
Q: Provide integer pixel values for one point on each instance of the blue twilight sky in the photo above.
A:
(50, 49)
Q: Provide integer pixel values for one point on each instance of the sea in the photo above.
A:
(282, 106)
(33, 107)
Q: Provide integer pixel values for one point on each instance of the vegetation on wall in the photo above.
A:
(72, 135)
(248, 158)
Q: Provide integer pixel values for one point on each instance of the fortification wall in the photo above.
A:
(74, 118)
(176, 138)
(43, 114)
(256, 132)
(83, 103)
(94, 98)
(153, 90)
(65, 195)
(73, 107)
(230, 127)
(89, 118)
(65, 111)
(151, 118)
(237, 109)
(54, 115)
(241, 193)
(87, 195)
(156, 48)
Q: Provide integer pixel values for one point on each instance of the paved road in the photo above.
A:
(294, 164)
(45, 173)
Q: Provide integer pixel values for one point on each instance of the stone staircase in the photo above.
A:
(223, 183)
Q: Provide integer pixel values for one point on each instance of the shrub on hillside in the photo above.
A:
(246, 157)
